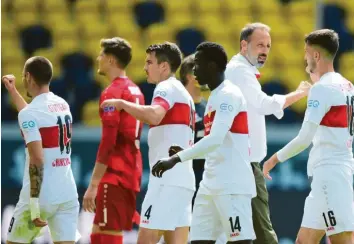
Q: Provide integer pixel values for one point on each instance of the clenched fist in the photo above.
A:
(9, 82)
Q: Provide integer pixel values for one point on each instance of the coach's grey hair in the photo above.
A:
(248, 30)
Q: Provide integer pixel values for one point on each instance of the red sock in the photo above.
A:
(95, 238)
(111, 239)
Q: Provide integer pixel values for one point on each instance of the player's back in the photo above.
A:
(125, 162)
(176, 128)
(228, 169)
(48, 118)
(332, 143)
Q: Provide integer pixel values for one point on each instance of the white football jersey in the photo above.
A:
(48, 119)
(330, 105)
(176, 128)
(228, 169)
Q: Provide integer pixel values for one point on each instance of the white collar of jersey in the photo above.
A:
(239, 57)
(322, 79)
(170, 78)
(41, 96)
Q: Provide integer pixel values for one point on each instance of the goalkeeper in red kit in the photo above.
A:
(116, 176)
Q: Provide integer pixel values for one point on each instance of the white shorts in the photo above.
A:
(214, 215)
(166, 207)
(329, 205)
(62, 222)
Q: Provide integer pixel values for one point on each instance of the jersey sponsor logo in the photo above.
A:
(313, 103)
(226, 107)
(161, 93)
(108, 109)
(28, 124)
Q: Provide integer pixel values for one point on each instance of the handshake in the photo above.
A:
(167, 163)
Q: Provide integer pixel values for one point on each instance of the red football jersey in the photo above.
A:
(120, 144)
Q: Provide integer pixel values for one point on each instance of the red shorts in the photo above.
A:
(115, 207)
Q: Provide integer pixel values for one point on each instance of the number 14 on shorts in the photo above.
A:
(235, 225)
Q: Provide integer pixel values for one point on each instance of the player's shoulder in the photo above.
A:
(237, 65)
(26, 112)
(230, 89)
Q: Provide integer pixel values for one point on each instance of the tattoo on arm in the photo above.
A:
(36, 178)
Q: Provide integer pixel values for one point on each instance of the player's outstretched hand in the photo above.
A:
(9, 82)
(89, 199)
(39, 223)
(117, 103)
(304, 86)
(174, 149)
(163, 165)
(269, 165)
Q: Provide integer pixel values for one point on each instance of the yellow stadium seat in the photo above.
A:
(8, 29)
(207, 6)
(88, 6)
(346, 64)
(54, 58)
(25, 19)
(238, 7)
(239, 21)
(123, 25)
(306, 8)
(159, 33)
(24, 6)
(54, 6)
(92, 47)
(268, 7)
(94, 27)
(350, 21)
(68, 45)
(179, 7)
(180, 20)
(11, 51)
(136, 72)
(90, 114)
(302, 25)
(114, 6)
(62, 26)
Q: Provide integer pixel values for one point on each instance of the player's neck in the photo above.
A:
(113, 74)
(166, 76)
(325, 68)
(216, 81)
(40, 91)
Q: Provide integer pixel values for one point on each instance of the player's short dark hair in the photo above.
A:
(40, 68)
(214, 53)
(167, 52)
(119, 48)
(248, 30)
(325, 39)
(186, 68)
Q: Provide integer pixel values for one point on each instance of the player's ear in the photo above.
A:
(316, 55)
(243, 45)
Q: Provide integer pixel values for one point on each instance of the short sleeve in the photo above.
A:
(164, 95)
(29, 126)
(109, 115)
(316, 104)
(227, 107)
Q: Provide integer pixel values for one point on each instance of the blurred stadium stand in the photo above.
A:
(68, 33)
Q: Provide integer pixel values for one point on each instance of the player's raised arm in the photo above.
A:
(10, 83)
(316, 110)
(33, 141)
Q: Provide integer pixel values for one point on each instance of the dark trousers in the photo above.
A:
(265, 233)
